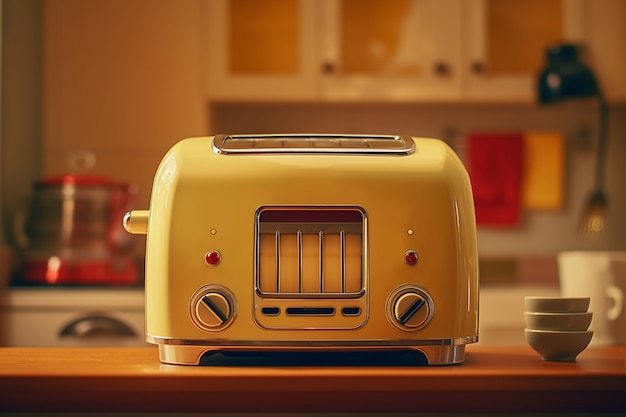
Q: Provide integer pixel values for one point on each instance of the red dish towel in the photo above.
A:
(495, 163)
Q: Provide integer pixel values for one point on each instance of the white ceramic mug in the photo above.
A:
(601, 276)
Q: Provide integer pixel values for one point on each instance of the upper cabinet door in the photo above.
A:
(261, 49)
(334, 49)
(401, 50)
(390, 50)
(506, 42)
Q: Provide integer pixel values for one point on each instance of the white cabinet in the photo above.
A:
(333, 49)
(393, 50)
(389, 50)
(505, 41)
(72, 317)
(261, 49)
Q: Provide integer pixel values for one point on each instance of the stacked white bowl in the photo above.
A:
(558, 327)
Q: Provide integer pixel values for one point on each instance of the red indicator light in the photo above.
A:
(212, 257)
(411, 257)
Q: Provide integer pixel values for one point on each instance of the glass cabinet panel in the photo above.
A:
(506, 42)
(390, 50)
(260, 49)
(378, 37)
(518, 33)
(263, 37)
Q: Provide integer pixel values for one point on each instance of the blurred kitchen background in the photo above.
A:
(126, 79)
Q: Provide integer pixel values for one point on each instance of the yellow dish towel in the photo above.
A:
(544, 170)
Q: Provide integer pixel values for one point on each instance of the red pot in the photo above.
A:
(73, 233)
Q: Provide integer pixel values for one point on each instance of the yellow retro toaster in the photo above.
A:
(305, 243)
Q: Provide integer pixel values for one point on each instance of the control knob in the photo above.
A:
(212, 308)
(410, 308)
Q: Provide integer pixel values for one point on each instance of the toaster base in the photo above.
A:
(434, 352)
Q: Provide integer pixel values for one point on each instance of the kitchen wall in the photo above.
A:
(20, 135)
(121, 79)
(117, 78)
(539, 232)
(126, 80)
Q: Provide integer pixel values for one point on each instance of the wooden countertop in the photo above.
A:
(133, 380)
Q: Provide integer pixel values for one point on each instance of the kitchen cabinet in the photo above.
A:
(505, 42)
(50, 317)
(392, 50)
(397, 50)
(261, 50)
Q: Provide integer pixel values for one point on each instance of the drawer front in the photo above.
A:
(72, 328)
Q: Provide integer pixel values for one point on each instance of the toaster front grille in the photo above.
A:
(310, 253)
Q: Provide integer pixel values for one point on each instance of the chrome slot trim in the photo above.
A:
(351, 311)
(192, 354)
(322, 344)
(309, 295)
(270, 311)
(310, 311)
(299, 223)
(311, 227)
(313, 144)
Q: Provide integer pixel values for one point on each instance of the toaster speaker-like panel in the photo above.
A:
(310, 253)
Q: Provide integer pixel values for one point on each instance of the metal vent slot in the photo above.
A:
(310, 259)
(311, 311)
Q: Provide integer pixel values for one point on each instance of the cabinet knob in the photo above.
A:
(328, 68)
(478, 68)
(442, 69)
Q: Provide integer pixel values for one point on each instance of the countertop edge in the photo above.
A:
(133, 380)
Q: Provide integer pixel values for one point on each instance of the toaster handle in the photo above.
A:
(136, 222)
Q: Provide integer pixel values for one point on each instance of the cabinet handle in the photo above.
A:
(97, 326)
(328, 68)
(442, 69)
(478, 68)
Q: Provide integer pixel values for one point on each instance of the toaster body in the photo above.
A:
(310, 243)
